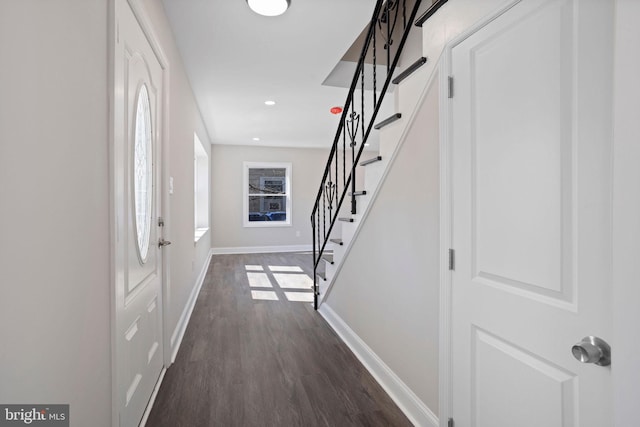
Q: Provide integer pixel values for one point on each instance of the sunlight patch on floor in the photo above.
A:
(259, 280)
(299, 296)
(279, 277)
(264, 295)
(293, 281)
(286, 268)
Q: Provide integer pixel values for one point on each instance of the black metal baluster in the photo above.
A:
(324, 214)
(337, 181)
(404, 14)
(315, 265)
(319, 242)
(362, 102)
(388, 45)
(353, 179)
(374, 70)
(344, 157)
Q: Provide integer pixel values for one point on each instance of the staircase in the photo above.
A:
(351, 173)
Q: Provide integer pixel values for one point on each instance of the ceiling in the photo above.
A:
(236, 60)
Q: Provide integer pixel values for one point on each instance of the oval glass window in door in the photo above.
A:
(142, 173)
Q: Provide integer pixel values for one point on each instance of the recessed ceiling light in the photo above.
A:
(256, 139)
(269, 102)
(366, 145)
(269, 7)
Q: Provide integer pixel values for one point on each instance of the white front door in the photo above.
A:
(531, 216)
(138, 257)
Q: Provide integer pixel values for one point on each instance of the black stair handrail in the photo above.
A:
(391, 20)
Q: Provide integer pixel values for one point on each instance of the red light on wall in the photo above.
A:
(336, 110)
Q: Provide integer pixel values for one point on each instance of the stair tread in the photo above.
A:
(359, 193)
(345, 219)
(410, 70)
(429, 12)
(328, 257)
(388, 121)
(371, 160)
(337, 241)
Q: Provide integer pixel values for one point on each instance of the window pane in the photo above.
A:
(267, 208)
(142, 173)
(267, 181)
(267, 194)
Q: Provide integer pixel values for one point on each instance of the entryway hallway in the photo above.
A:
(255, 353)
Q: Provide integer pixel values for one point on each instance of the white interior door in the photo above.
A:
(531, 201)
(138, 103)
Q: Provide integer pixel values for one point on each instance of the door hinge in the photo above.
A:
(452, 260)
(160, 221)
(450, 83)
(450, 423)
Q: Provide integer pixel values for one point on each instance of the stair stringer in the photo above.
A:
(391, 141)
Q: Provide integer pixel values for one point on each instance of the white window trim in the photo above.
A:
(245, 194)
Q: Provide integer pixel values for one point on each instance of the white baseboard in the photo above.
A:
(417, 412)
(260, 249)
(181, 327)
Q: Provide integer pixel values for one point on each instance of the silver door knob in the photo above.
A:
(592, 350)
(163, 242)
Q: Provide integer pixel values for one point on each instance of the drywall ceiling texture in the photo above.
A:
(388, 289)
(237, 59)
(54, 214)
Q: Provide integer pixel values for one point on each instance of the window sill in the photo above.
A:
(266, 224)
(199, 233)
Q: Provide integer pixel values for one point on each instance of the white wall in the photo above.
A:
(387, 291)
(54, 202)
(186, 258)
(626, 215)
(54, 207)
(228, 232)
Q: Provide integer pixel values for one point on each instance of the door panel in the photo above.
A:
(138, 113)
(521, 155)
(553, 387)
(531, 216)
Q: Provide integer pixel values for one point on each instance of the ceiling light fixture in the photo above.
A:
(269, 102)
(256, 139)
(269, 7)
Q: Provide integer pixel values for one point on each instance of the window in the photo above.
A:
(200, 188)
(267, 194)
(142, 174)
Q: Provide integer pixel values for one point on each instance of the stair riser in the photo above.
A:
(338, 254)
(372, 177)
(348, 230)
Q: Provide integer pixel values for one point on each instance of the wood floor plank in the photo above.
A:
(251, 357)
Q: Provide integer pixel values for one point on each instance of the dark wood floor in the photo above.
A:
(266, 362)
